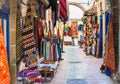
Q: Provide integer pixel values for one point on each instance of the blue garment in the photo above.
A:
(107, 71)
(59, 48)
(101, 37)
(107, 22)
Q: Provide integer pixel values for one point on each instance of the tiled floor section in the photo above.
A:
(77, 68)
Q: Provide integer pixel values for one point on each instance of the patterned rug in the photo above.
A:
(76, 81)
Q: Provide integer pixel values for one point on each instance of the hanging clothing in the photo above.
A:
(59, 48)
(101, 37)
(44, 49)
(107, 22)
(63, 10)
(37, 30)
(52, 54)
(41, 47)
(55, 52)
(48, 53)
(4, 68)
(110, 51)
(97, 41)
(96, 37)
(42, 11)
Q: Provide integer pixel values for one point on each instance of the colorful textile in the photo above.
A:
(38, 38)
(110, 51)
(28, 73)
(4, 68)
(29, 45)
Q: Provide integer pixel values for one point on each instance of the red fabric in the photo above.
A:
(63, 9)
(110, 53)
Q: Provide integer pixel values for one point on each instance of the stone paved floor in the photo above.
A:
(77, 68)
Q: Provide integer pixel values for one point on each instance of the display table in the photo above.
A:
(47, 72)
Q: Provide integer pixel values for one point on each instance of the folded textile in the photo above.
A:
(27, 73)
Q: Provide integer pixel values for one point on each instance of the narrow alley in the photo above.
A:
(59, 41)
(77, 68)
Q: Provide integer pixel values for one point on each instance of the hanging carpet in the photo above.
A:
(110, 51)
(29, 44)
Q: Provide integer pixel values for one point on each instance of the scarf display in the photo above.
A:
(110, 51)
(4, 68)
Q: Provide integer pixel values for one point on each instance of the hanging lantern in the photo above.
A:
(1, 3)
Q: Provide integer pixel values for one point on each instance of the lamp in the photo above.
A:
(1, 3)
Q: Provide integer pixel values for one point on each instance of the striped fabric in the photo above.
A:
(19, 48)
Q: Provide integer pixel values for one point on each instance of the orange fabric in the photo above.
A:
(110, 53)
(4, 70)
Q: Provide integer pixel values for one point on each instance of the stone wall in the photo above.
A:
(12, 4)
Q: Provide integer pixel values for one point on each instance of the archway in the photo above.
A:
(78, 5)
